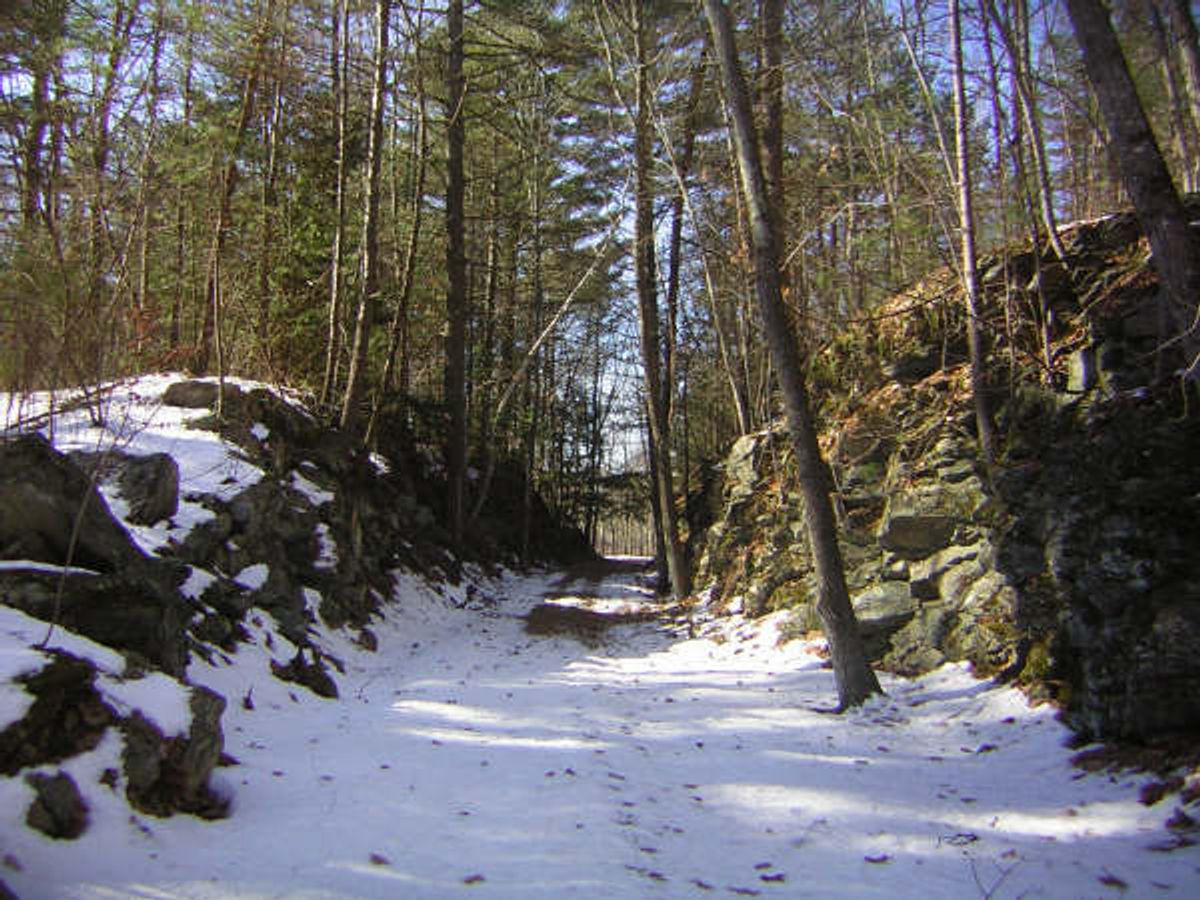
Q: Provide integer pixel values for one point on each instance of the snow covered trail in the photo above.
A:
(469, 758)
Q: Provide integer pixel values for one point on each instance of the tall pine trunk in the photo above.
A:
(966, 217)
(855, 679)
(648, 314)
(369, 266)
(456, 270)
(338, 72)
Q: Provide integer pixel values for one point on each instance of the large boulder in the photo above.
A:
(50, 511)
(128, 614)
(148, 484)
(199, 394)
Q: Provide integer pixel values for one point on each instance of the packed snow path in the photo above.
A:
(469, 758)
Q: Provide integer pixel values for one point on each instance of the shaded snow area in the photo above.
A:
(468, 758)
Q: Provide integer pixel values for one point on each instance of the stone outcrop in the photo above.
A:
(57, 810)
(163, 774)
(1070, 568)
(50, 511)
(315, 540)
(167, 774)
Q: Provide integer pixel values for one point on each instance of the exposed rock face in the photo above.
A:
(151, 485)
(164, 774)
(50, 511)
(58, 810)
(1073, 570)
(136, 615)
(68, 717)
(168, 774)
(318, 537)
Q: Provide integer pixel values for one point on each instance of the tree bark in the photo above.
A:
(456, 270)
(339, 59)
(227, 179)
(1175, 246)
(648, 314)
(369, 266)
(855, 679)
(175, 334)
(1027, 101)
(398, 332)
(1188, 41)
(966, 216)
(771, 88)
(1182, 129)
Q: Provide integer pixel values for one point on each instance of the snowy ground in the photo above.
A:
(469, 758)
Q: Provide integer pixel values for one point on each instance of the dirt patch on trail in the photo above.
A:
(593, 571)
(586, 625)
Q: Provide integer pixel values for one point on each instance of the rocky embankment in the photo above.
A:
(1071, 566)
(276, 516)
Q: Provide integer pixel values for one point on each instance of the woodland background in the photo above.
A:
(422, 212)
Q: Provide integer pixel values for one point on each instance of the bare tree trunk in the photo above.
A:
(970, 274)
(43, 62)
(681, 166)
(369, 291)
(648, 314)
(1188, 41)
(339, 63)
(227, 183)
(179, 296)
(855, 680)
(398, 333)
(1001, 185)
(146, 198)
(1029, 112)
(771, 91)
(269, 202)
(1175, 246)
(456, 269)
(1182, 129)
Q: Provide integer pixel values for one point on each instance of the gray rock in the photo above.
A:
(205, 741)
(58, 810)
(956, 471)
(169, 773)
(125, 613)
(916, 535)
(1081, 371)
(197, 394)
(51, 512)
(150, 485)
(881, 611)
(923, 519)
(66, 718)
(925, 574)
(741, 466)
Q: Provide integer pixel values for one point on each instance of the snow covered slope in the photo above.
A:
(467, 757)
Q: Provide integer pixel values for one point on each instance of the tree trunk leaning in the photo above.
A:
(855, 680)
(1173, 243)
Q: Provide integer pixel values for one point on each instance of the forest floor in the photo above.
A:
(469, 757)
